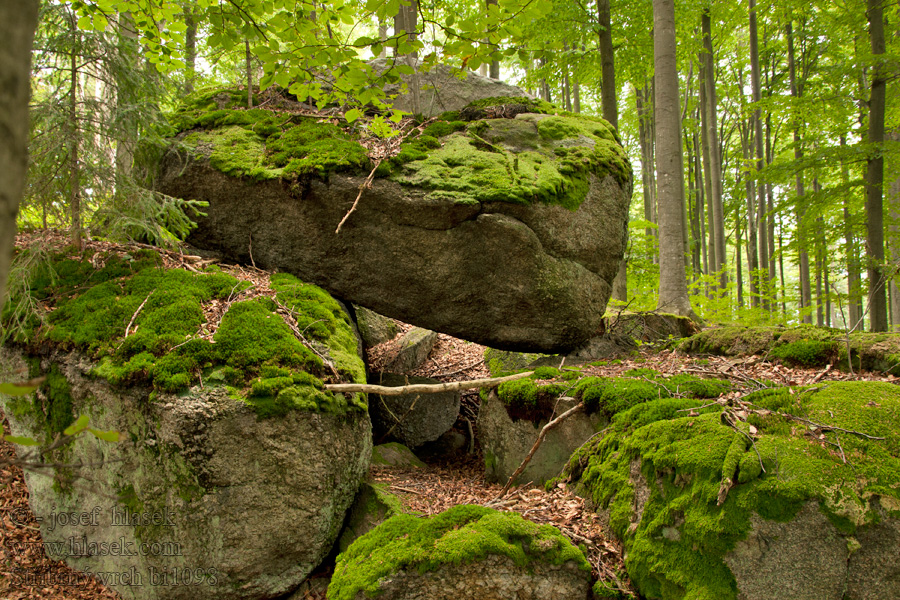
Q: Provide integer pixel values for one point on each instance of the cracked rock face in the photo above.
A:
(512, 275)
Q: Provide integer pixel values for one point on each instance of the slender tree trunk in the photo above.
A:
(709, 253)
(607, 66)
(797, 93)
(717, 230)
(854, 292)
(673, 293)
(382, 35)
(74, 146)
(495, 63)
(893, 241)
(190, 48)
(693, 198)
(249, 64)
(761, 227)
(127, 127)
(738, 259)
(647, 162)
(18, 21)
(781, 270)
(875, 176)
(770, 215)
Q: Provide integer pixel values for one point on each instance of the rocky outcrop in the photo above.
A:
(412, 419)
(524, 218)
(506, 442)
(800, 513)
(465, 553)
(235, 488)
(394, 454)
(373, 505)
(442, 89)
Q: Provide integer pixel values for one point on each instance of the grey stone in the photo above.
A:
(373, 505)
(493, 578)
(395, 454)
(413, 350)
(803, 559)
(442, 89)
(529, 277)
(422, 417)
(246, 507)
(373, 328)
(649, 326)
(506, 442)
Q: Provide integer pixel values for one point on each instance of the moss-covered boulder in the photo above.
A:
(805, 511)
(466, 552)
(805, 345)
(234, 468)
(373, 328)
(524, 218)
(511, 416)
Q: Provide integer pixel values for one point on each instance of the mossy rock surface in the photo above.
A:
(146, 325)
(525, 218)
(657, 477)
(804, 346)
(489, 552)
(373, 505)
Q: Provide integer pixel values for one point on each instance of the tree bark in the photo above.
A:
(190, 48)
(18, 21)
(762, 229)
(495, 64)
(875, 175)
(249, 66)
(797, 93)
(673, 293)
(607, 66)
(717, 230)
(74, 142)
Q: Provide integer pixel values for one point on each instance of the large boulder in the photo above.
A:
(464, 553)
(523, 218)
(234, 468)
(767, 500)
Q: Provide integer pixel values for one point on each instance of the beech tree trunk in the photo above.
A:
(74, 145)
(673, 293)
(762, 229)
(797, 93)
(190, 48)
(18, 21)
(875, 176)
(717, 228)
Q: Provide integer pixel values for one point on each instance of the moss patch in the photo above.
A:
(253, 347)
(263, 144)
(804, 345)
(676, 549)
(461, 534)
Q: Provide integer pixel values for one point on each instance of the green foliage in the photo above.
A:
(462, 534)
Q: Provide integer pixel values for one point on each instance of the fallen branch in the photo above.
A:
(134, 316)
(367, 184)
(537, 444)
(434, 388)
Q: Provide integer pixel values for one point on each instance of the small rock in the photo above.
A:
(374, 329)
(395, 454)
(415, 346)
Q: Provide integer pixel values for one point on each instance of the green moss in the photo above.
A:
(503, 362)
(262, 144)
(545, 373)
(462, 534)
(520, 392)
(253, 346)
(804, 352)
(676, 550)
(441, 128)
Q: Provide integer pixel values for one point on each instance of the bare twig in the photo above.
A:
(458, 371)
(134, 316)
(435, 388)
(537, 444)
(367, 184)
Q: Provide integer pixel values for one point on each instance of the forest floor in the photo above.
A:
(26, 573)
